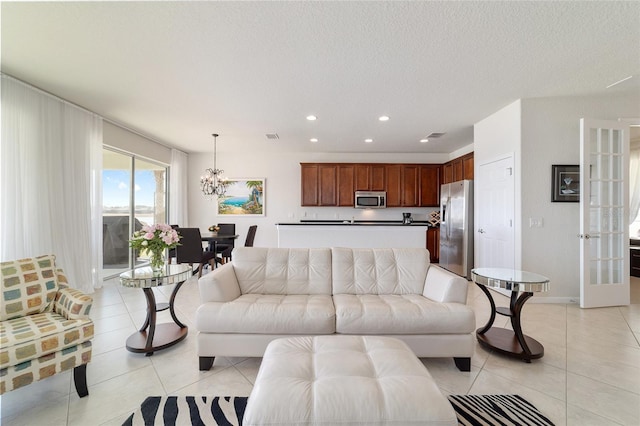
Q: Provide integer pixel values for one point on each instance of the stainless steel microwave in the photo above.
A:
(370, 200)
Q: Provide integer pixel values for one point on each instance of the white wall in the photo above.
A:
(496, 137)
(541, 132)
(551, 135)
(282, 190)
(125, 140)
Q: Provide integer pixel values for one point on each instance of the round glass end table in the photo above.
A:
(153, 337)
(509, 342)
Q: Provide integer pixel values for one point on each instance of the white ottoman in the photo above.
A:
(346, 380)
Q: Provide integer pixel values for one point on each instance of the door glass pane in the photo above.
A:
(116, 206)
(606, 212)
(150, 183)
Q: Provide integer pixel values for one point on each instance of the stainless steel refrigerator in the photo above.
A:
(456, 227)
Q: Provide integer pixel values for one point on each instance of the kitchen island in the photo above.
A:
(336, 233)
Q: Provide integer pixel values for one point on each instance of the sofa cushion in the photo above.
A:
(33, 336)
(379, 271)
(282, 270)
(28, 285)
(268, 314)
(400, 314)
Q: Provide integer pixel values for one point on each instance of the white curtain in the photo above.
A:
(178, 212)
(634, 180)
(50, 160)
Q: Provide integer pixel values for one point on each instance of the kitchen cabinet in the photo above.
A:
(369, 177)
(327, 183)
(346, 176)
(433, 244)
(467, 166)
(393, 174)
(429, 185)
(319, 184)
(447, 172)
(309, 184)
(458, 169)
(410, 185)
(334, 184)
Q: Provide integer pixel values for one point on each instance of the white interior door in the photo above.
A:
(495, 207)
(604, 207)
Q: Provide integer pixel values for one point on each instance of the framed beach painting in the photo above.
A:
(244, 197)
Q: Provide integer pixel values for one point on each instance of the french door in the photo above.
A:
(604, 208)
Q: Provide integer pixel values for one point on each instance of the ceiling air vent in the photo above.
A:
(435, 135)
(272, 136)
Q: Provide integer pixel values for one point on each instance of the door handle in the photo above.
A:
(481, 231)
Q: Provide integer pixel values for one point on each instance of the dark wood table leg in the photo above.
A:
(152, 337)
(509, 342)
(171, 306)
(151, 320)
(516, 308)
(492, 318)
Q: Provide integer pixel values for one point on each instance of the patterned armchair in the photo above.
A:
(44, 325)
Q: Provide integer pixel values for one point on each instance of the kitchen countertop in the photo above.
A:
(357, 223)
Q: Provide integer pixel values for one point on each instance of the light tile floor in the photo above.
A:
(590, 374)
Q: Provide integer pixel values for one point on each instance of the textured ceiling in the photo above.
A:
(179, 71)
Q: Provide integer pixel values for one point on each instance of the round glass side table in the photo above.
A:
(509, 342)
(153, 337)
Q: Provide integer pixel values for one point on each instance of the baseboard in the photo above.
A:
(555, 300)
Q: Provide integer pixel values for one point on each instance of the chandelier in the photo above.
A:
(212, 183)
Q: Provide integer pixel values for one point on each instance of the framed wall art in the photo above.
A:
(244, 197)
(565, 183)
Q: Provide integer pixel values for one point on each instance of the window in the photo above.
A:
(134, 193)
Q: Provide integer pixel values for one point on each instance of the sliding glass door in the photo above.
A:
(134, 193)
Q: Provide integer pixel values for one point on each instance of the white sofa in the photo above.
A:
(268, 293)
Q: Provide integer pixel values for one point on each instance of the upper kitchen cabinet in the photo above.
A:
(334, 184)
(458, 169)
(346, 177)
(467, 167)
(327, 184)
(370, 177)
(309, 185)
(429, 178)
(393, 175)
(319, 184)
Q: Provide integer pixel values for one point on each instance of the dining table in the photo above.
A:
(214, 238)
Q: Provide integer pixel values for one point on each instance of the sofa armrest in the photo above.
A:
(219, 285)
(72, 303)
(444, 286)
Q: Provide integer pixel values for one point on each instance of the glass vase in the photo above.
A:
(156, 261)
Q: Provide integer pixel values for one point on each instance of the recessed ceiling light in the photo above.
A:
(313, 140)
(424, 140)
(383, 118)
(368, 140)
(312, 117)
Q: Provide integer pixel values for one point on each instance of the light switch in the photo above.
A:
(536, 222)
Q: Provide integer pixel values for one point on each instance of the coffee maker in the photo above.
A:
(407, 219)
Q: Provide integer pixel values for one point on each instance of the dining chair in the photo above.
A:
(190, 250)
(251, 235)
(225, 255)
(172, 252)
(226, 229)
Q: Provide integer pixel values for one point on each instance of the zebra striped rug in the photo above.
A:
(490, 410)
(471, 410)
